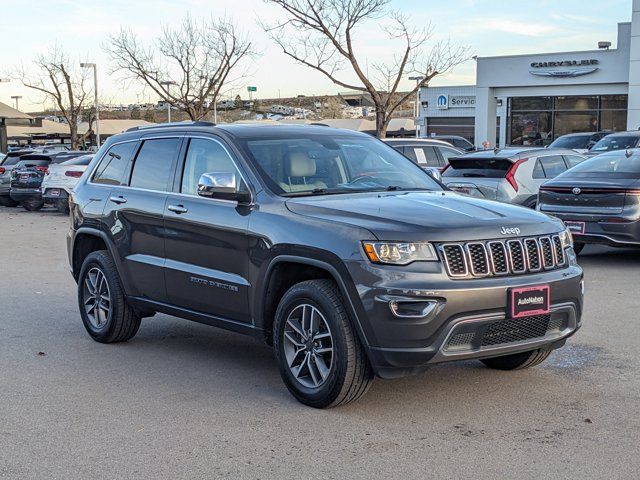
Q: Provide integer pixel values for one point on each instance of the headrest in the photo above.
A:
(299, 164)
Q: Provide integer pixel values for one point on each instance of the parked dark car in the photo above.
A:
(28, 174)
(616, 141)
(425, 152)
(8, 163)
(599, 200)
(331, 246)
(580, 142)
(511, 175)
(457, 141)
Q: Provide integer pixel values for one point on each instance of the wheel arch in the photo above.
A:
(87, 240)
(275, 285)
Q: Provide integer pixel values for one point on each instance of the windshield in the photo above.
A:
(614, 164)
(319, 164)
(615, 142)
(572, 142)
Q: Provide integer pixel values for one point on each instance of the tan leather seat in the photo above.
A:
(299, 169)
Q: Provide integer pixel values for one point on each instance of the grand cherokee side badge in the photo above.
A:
(510, 231)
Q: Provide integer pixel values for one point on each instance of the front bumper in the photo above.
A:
(25, 194)
(457, 319)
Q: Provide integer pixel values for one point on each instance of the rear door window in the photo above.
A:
(154, 164)
(553, 165)
(114, 164)
(423, 156)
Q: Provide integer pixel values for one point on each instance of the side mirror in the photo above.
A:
(434, 173)
(222, 186)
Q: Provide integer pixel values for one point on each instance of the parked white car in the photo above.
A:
(60, 179)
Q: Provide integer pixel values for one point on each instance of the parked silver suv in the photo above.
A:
(512, 175)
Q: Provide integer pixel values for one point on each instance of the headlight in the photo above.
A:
(566, 238)
(400, 253)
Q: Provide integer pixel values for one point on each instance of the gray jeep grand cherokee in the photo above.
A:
(330, 245)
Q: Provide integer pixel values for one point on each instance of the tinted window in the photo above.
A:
(424, 156)
(154, 164)
(538, 171)
(613, 164)
(573, 160)
(204, 156)
(478, 167)
(553, 165)
(571, 142)
(114, 163)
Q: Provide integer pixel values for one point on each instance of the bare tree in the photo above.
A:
(62, 82)
(199, 59)
(320, 34)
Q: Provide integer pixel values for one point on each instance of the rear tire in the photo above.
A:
(62, 206)
(577, 247)
(8, 202)
(320, 357)
(105, 313)
(33, 205)
(518, 361)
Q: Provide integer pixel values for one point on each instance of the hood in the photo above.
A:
(434, 216)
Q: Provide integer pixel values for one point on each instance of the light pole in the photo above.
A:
(95, 98)
(168, 83)
(418, 79)
(16, 98)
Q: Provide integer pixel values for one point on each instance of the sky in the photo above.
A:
(487, 27)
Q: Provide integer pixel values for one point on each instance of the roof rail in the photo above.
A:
(197, 123)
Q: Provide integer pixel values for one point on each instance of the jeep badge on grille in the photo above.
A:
(510, 231)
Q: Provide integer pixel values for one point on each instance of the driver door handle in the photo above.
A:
(178, 209)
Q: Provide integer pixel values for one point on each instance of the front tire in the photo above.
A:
(105, 313)
(518, 361)
(320, 357)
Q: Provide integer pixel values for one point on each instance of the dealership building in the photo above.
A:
(532, 99)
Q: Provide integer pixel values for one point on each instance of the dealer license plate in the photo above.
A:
(576, 228)
(527, 301)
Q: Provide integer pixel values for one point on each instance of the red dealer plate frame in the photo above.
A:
(529, 308)
(576, 228)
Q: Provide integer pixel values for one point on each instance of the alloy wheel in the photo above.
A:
(308, 346)
(97, 298)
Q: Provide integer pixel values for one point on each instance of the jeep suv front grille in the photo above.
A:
(503, 257)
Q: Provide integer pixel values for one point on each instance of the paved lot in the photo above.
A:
(183, 400)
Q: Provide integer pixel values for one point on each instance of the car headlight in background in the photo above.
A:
(399, 253)
(566, 238)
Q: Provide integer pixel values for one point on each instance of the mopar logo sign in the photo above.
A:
(443, 101)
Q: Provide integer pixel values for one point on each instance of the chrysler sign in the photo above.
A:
(444, 102)
(564, 68)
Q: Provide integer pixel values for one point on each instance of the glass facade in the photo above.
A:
(538, 121)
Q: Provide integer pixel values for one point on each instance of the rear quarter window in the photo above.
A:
(114, 164)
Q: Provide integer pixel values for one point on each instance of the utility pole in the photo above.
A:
(418, 79)
(95, 98)
(168, 83)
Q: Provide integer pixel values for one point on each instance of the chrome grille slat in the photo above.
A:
(512, 256)
(532, 252)
(516, 256)
(478, 260)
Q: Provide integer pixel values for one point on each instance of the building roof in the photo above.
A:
(113, 127)
(9, 112)
(25, 132)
